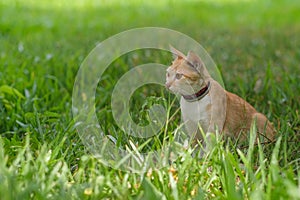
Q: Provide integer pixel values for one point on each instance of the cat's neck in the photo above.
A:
(205, 74)
(199, 94)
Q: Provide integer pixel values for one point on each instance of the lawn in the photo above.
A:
(255, 45)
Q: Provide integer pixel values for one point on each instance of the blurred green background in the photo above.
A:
(239, 35)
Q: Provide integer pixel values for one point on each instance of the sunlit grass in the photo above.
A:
(83, 3)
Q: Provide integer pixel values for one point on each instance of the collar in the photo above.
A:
(199, 95)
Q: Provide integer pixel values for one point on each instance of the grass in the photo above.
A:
(254, 44)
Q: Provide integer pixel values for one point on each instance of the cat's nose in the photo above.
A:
(168, 85)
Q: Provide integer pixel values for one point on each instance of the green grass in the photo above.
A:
(255, 45)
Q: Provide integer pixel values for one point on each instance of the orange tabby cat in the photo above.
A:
(204, 102)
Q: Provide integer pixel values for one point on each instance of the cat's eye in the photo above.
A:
(178, 76)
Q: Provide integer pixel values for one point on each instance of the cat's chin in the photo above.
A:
(177, 92)
(173, 91)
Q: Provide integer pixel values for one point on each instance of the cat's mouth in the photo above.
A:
(168, 85)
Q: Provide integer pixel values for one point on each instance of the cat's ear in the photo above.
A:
(176, 53)
(196, 61)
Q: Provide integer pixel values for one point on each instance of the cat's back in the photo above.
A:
(240, 116)
(238, 105)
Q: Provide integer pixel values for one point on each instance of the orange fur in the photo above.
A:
(239, 117)
(222, 109)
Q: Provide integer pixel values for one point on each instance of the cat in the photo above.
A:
(206, 104)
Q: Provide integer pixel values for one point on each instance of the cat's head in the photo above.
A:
(187, 74)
